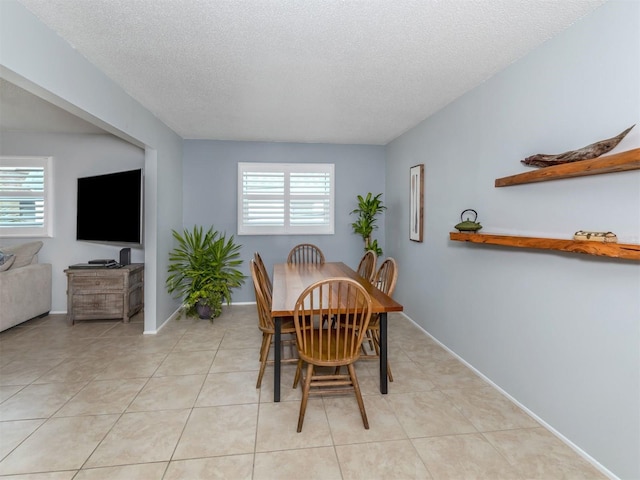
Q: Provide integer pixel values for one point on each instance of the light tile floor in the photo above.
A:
(99, 400)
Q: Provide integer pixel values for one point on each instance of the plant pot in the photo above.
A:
(204, 311)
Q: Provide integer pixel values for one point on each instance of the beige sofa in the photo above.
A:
(25, 284)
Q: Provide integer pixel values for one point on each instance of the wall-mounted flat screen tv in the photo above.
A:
(110, 208)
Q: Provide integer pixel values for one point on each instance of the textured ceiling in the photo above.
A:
(320, 71)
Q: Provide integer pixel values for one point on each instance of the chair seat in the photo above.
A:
(287, 343)
(325, 347)
(286, 326)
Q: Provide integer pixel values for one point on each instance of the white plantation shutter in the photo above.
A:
(25, 195)
(285, 199)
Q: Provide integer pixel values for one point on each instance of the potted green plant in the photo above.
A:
(203, 270)
(369, 208)
(206, 302)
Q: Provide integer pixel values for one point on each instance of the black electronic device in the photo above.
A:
(79, 266)
(102, 261)
(110, 208)
(125, 256)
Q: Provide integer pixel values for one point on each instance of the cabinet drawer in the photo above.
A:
(98, 305)
(98, 283)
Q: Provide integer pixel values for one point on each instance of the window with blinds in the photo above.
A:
(25, 197)
(285, 198)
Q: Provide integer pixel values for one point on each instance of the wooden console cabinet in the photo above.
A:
(101, 293)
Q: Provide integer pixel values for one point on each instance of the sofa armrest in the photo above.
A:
(25, 293)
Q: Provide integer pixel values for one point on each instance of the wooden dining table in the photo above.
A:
(289, 280)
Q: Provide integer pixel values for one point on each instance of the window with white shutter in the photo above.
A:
(285, 198)
(25, 197)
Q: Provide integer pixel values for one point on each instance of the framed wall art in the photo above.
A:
(416, 202)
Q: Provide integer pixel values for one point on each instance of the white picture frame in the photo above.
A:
(416, 202)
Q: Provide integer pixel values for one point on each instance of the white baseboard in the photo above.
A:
(564, 439)
(171, 317)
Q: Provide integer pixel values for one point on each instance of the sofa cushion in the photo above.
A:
(6, 260)
(24, 253)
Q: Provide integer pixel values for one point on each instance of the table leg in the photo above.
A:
(276, 363)
(383, 353)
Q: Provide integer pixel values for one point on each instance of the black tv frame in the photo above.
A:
(110, 208)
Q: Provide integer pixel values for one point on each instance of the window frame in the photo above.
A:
(46, 163)
(286, 169)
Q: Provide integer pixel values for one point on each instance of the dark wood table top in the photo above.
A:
(289, 280)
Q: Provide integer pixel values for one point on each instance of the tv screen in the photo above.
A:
(110, 208)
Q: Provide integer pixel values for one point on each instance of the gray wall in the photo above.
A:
(41, 62)
(210, 174)
(74, 156)
(558, 332)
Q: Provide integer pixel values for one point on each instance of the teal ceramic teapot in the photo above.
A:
(468, 225)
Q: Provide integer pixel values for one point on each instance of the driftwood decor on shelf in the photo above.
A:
(612, 163)
(585, 153)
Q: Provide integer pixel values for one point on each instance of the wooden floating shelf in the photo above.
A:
(618, 162)
(627, 251)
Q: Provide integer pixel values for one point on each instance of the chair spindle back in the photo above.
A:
(330, 298)
(367, 265)
(305, 253)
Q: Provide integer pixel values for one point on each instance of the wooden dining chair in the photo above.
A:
(385, 280)
(367, 266)
(266, 322)
(263, 270)
(320, 345)
(305, 253)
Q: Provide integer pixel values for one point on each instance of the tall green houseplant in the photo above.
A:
(203, 269)
(369, 208)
